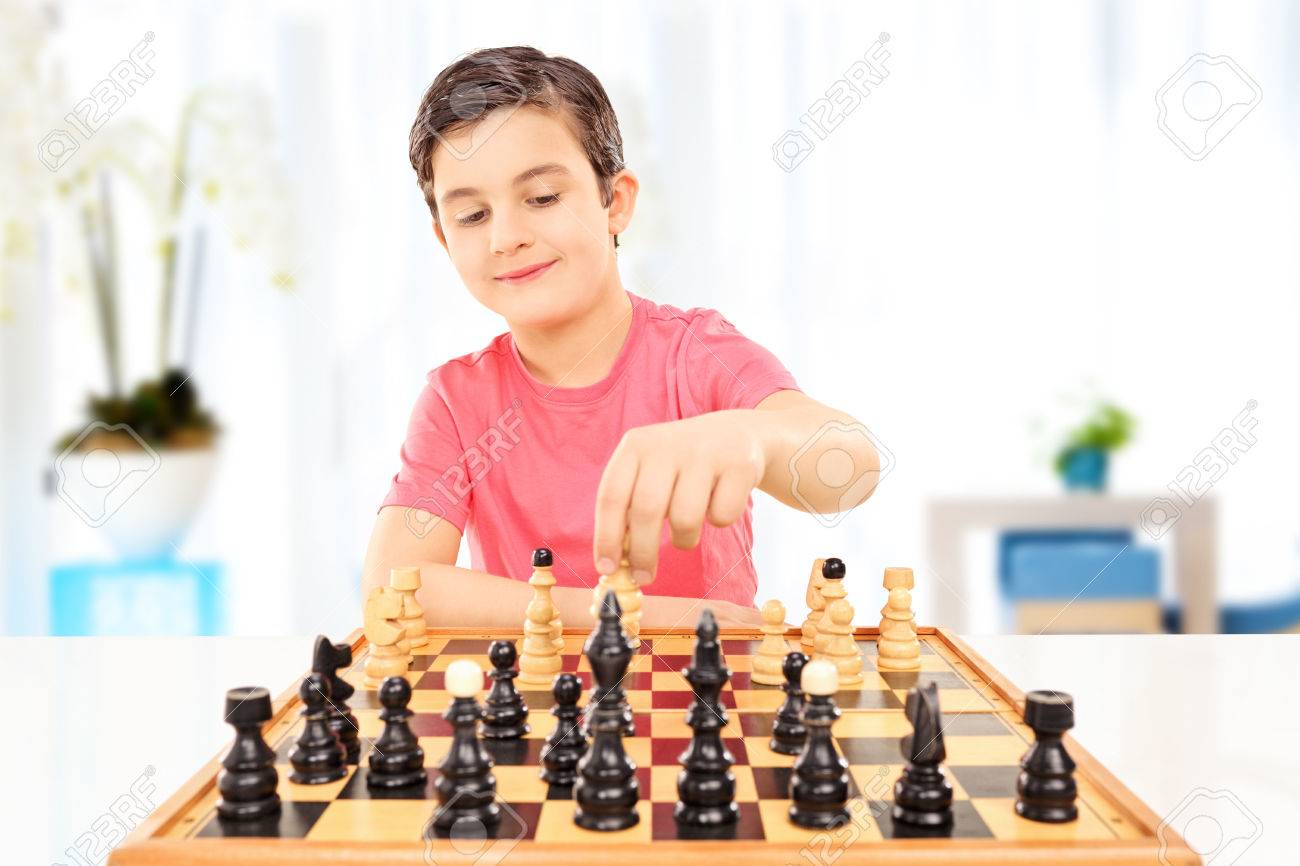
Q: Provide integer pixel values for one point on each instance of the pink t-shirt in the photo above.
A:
(517, 462)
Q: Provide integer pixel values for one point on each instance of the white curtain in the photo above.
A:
(998, 223)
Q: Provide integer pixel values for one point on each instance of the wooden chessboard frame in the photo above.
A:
(145, 847)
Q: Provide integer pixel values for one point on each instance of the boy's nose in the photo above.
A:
(509, 234)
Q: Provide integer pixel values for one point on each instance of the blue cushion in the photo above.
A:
(1103, 566)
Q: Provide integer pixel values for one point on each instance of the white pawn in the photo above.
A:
(813, 598)
(898, 647)
(629, 598)
(406, 581)
(771, 653)
(539, 658)
(841, 649)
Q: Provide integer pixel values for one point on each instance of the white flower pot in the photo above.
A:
(143, 498)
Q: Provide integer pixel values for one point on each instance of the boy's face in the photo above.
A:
(494, 220)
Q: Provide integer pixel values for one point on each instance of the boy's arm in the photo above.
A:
(705, 467)
(454, 596)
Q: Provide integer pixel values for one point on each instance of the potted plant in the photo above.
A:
(1082, 459)
(141, 465)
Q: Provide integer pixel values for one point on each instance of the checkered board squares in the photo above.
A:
(984, 744)
(654, 680)
(983, 734)
(983, 751)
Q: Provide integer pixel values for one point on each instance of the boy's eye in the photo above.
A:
(476, 217)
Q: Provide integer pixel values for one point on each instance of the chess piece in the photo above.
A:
(466, 787)
(832, 590)
(318, 756)
(397, 761)
(1045, 788)
(788, 731)
(813, 598)
(607, 790)
(898, 648)
(629, 597)
(506, 714)
(326, 659)
(819, 781)
(706, 787)
(542, 563)
(612, 695)
(772, 651)
(390, 650)
(840, 649)
(406, 581)
(248, 779)
(566, 744)
(923, 794)
(539, 656)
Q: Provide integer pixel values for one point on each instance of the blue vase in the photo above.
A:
(1085, 469)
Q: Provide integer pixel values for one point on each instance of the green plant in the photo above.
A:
(1108, 428)
(162, 412)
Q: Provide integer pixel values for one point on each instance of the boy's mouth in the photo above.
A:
(528, 273)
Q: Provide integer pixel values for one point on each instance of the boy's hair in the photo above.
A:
(492, 78)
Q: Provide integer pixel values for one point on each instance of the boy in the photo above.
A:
(600, 419)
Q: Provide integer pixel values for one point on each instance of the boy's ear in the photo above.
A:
(623, 203)
(437, 230)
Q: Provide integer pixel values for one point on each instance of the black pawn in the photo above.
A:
(397, 761)
(607, 790)
(788, 731)
(1045, 788)
(706, 787)
(318, 756)
(566, 744)
(923, 794)
(466, 787)
(247, 781)
(327, 658)
(505, 716)
(819, 780)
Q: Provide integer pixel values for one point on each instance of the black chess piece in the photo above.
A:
(1045, 788)
(923, 794)
(788, 731)
(566, 744)
(819, 781)
(606, 790)
(248, 779)
(706, 787)
(614, 693)
(327, 658)
(396, 761)
(466, 787)
(318, 756)
(505, 716)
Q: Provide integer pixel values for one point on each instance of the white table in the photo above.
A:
(1192, 532)
(1168, 714)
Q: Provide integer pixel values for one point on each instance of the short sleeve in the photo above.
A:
(432, 467)
(724, 369)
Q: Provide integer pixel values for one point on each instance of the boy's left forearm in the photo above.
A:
(816, 458)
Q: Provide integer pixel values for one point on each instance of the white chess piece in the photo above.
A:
(771, 653)
(898, 647)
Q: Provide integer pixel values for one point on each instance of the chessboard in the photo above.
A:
(985, 737)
